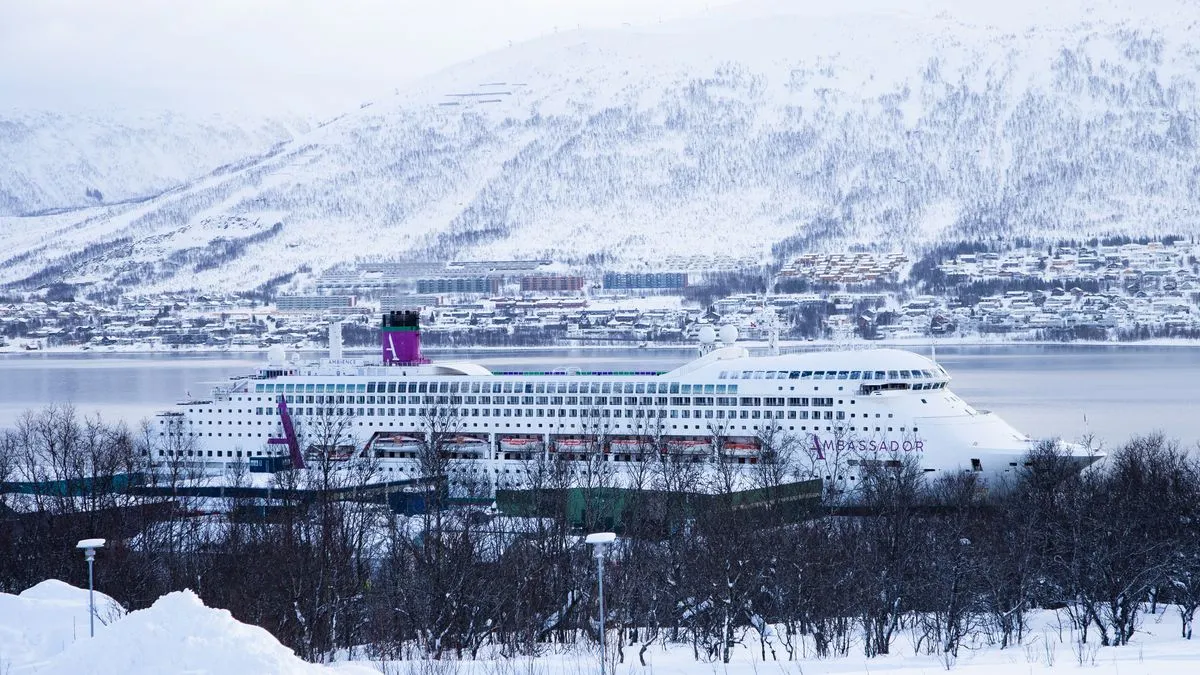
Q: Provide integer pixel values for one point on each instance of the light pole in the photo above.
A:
(599, 540)
(89, 547)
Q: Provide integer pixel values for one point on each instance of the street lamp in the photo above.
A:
(600, 540)
(89, 547)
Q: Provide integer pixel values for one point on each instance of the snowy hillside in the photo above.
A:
(54, 161)
(758, 130)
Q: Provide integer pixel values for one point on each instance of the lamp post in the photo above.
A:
(599, 540)
(89, 547)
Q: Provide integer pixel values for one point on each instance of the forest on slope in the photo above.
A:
(763, 135)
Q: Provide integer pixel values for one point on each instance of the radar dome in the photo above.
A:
(276, 355)
(708, 335)
(729, 334)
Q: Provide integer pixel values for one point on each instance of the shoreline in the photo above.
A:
(914, 342)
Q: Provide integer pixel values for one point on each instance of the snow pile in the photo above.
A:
(178, 634)
(46, 619)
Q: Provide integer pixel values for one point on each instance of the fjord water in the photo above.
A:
(1043, 390)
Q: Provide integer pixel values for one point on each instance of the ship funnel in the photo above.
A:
(400, 338)
(335, 340)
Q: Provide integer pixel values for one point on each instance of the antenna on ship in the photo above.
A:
(335, 340)
(933, 353)
(772, 331)
(769, 315)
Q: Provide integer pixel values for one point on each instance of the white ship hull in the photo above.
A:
(827, 415)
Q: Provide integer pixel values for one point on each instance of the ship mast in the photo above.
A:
(770, 317)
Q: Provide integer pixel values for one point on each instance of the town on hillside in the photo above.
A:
(1104, 290)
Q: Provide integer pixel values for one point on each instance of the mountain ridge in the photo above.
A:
(55, 161)
(760, 137)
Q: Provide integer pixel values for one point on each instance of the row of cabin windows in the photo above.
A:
(606, 425)
(803, 428)
(830, 374)
(559, 412)
(749, 401)
(303, 395)
(476, 387)
(220, 453)
(451, 387)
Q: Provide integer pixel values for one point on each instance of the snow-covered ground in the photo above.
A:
(44, 630)
(47, 618)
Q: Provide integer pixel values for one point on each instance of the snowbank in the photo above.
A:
(46, 619)
(1049, 647)
(178, 634)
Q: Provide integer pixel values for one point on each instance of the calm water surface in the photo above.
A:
(1112, 392)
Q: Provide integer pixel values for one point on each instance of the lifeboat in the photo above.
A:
(466, 447)
(396, 442)
(741, 448)
(394, 445)
(572, 448)
(688, 446)
(519, 444)
(627, 445)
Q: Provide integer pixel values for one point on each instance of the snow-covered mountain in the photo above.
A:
(758, 130)
(58, 160)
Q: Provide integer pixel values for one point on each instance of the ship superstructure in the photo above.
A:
(833, 414)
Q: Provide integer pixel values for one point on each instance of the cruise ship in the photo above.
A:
(831, 415)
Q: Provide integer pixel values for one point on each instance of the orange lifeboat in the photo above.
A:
(688, 446)
(741, 448)
(518, 444)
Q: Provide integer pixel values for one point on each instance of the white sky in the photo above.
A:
(318, 56)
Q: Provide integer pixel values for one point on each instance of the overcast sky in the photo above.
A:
(291, 54)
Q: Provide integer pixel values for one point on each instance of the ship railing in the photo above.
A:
(867, 389)
(223, 393)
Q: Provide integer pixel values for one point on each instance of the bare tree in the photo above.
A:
(9, 538)
(174, 459)
(1136, 508)
(833, 456)
(439, 443)
(726, 473)
(776, 461)
(952, 581)
(825, 588)
(1183, 572)
(1012, 563)
(892, 552)
(593, 474)
(49, 442)
(652, 442)
(9, 447)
